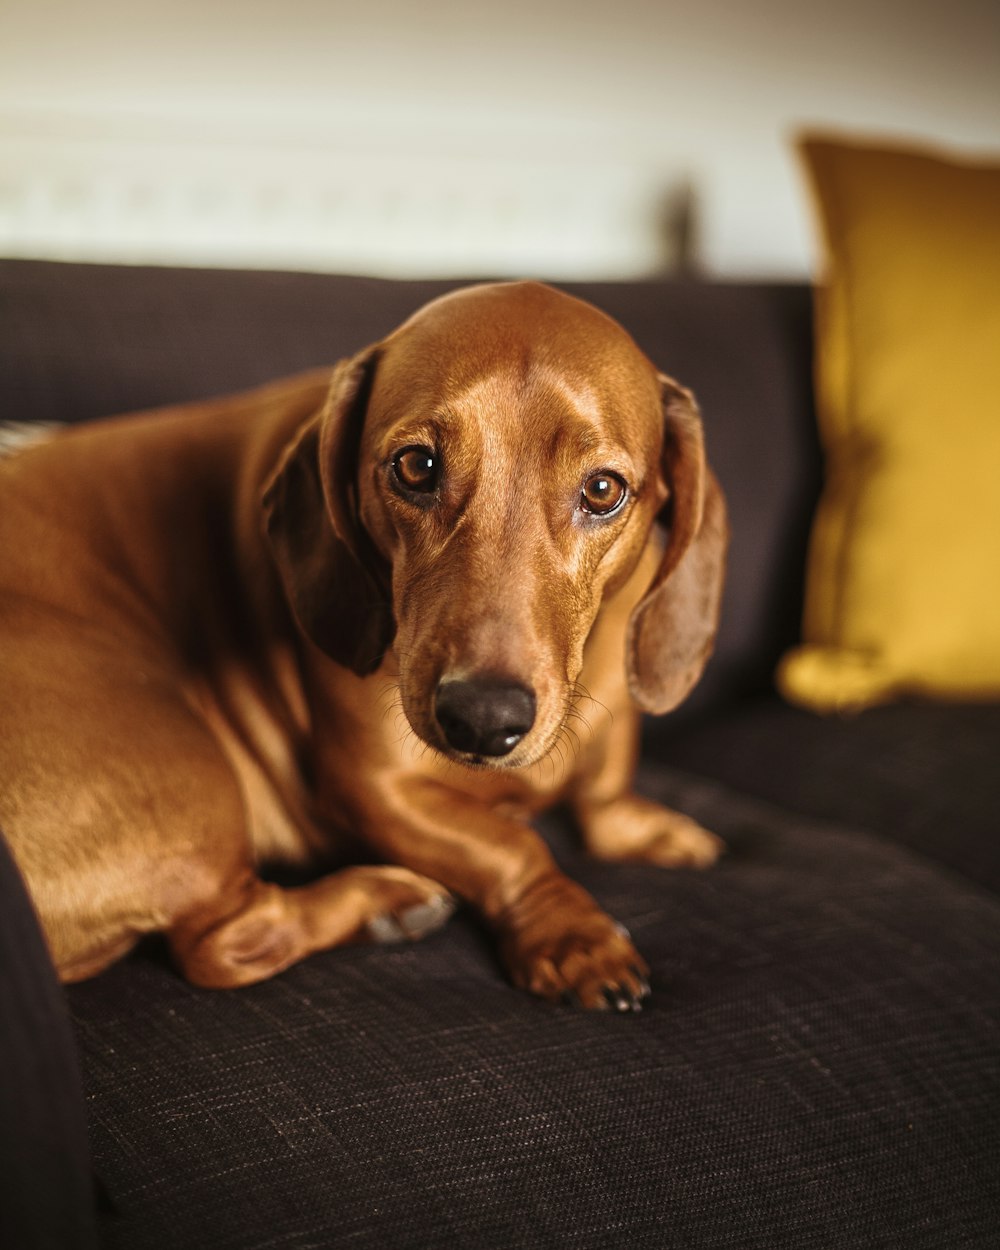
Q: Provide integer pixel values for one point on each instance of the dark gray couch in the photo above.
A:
(819, 1065)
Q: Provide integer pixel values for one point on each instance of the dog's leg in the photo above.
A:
(617, 824)
(127, 819)
(554, 938)
(268, 927)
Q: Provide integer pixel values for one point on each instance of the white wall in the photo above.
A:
(558, 137)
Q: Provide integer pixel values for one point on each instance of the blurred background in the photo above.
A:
(563, 138)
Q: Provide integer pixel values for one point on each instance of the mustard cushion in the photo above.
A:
(903, 582)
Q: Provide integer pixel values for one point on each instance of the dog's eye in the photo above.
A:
(603, 493)
(416, 469)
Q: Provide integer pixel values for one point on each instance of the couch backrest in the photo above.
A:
(81, 341)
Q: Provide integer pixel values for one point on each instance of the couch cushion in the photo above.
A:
(817, 1067)
(46, 1187)
(919, 773)
(902, 592)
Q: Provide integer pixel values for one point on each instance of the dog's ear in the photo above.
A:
(335, 580)
(672, 629)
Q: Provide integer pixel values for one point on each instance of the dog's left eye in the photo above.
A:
(416, 469)
(603, 493)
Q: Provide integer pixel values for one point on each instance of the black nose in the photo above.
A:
(485, 716)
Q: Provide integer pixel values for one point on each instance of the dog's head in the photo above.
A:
(476, 486)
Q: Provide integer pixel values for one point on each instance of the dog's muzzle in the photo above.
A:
(484, 716)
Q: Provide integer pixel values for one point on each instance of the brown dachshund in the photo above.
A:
(413, 604)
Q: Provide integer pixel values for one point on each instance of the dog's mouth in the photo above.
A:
(480, 761)
(491, 764)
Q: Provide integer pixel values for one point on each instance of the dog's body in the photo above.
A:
(397, 608)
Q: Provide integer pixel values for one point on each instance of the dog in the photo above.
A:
(414, 604)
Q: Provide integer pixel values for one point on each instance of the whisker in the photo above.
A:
(562, 759)
(403, 732)
(580, 691)
(574, 715)
(394, 703)
(571, 733)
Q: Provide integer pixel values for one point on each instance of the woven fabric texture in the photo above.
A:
(923, 774)
(819, 1066)
(46, 1191)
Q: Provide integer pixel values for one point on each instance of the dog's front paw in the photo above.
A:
(562, 947)
(633, 828)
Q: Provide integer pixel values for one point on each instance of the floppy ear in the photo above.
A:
(672, 629)
(336, 583)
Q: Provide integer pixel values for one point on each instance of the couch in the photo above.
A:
(819, 1064)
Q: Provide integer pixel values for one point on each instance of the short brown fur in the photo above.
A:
(222, 629)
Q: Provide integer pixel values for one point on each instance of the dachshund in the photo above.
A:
(406, 604)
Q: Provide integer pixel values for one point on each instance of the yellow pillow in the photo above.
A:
(903, 585)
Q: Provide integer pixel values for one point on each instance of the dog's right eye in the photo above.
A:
(416, 469)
